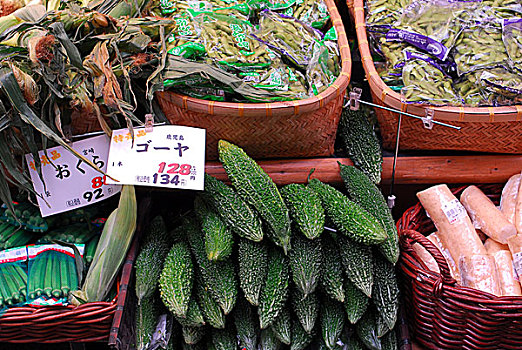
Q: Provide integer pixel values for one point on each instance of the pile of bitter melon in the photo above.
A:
(261, 267)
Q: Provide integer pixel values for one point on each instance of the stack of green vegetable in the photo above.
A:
(449, 52)
(255, 266)
(282, 57)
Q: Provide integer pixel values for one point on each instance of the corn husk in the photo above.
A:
(112, 248)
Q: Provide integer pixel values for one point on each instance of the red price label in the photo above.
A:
(98, 181)
(174, 168)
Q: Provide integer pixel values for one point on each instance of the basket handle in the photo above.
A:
(409, 237)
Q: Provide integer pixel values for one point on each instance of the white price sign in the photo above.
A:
(170, 156)
(70, 182)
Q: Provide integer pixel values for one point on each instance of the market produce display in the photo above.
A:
(443, 52)
(44, 263)
(37, 264)
(290, 283)
(491, 266)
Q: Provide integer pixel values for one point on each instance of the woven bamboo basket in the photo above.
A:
(90, 322)
(301, 128)
(483, 129)
(442, 314)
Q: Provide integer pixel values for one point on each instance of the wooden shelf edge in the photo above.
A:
(409, 170)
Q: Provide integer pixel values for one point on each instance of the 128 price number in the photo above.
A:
(169, 173)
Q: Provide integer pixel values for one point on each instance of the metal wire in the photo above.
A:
(407, 114)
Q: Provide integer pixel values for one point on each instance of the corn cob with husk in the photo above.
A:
(114, 242)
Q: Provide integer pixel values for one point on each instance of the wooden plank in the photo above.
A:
(410, 170)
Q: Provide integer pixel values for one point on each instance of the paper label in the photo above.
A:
(170, 156)
(422, 42)
(454, 211)
(70, 183)
(34, 250)
(13, 255)
(517, 262)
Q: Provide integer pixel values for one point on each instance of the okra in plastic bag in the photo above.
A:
(479, 46)
(424, 82)
(291, 38)
(512, 37)
(14, 236)
(52, 273)
(13, 277)
(312, 12)
(25, 215)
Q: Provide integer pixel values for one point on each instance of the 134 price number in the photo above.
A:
(169, 173)
(97, 191)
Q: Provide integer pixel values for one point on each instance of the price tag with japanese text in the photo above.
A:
(70, 182)
(170, 156)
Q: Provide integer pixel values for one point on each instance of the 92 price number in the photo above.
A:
(172, 173)
(97, 191)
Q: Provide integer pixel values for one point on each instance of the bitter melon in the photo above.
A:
(149, 264)
(363, 192)
(305, 209)
(275, 291)
(218, 276)
(355, 302)
(210, 309)
(354, 343)
(218, 237)
(233, 210)
(176, 280)
(332, 322)
(193, 335)
(256, 188)
(361, 143)
(389, 341)
(194, 317)
(367, 331)
(358, 263)
(147, 313)
(268, 340)
(300, 338)
(331, 279)
(348, 217)
(246, 325)
(386, 291)
(223, 339)
(253, 267)
(305, 263)
(282, 326)
(306, 308)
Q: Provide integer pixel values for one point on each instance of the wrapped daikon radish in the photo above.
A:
(435, 239)
(486, 216)
(509, 198)
(455, 229)
(508, 278)
(426, 257)
(518, 208)
(515, 247)
(480, 272)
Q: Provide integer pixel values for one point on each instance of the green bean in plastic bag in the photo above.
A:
(512, 37)
(479, 46)
(425, 83)
(312, 12)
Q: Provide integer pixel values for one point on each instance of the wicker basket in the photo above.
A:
(442, 314)
(303, 128)
(483, 129)
(90, 322)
